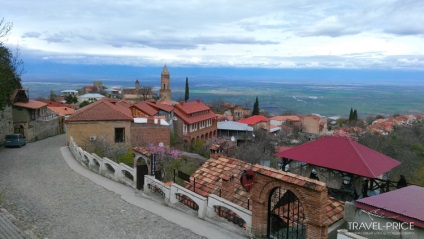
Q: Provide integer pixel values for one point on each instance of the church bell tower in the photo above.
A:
(165, 87)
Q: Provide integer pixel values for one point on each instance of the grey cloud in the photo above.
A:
(231, 40)
(181, 43)
(31, 35)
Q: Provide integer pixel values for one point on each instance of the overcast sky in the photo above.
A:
(272, 34)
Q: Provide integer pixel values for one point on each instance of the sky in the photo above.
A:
(289, 34)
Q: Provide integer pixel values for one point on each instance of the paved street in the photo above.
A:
(51, 200)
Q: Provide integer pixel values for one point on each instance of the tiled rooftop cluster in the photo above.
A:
(221, 175)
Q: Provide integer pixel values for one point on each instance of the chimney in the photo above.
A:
(182, 103)
(198, 100)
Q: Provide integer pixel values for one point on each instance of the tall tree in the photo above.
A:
(351, 114)
(256, 107)
(10, 68)
(355, 115)
(187, 93)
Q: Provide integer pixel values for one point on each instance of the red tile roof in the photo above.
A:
(286, 118)
(315, 117)
(159, 106)
(31, 104)
(192, 107)
(62, 110)
(342, 154)
(183, 111)
(254, 120)
(146, 108)
(404, 204)
(102, 110)
(210, 176)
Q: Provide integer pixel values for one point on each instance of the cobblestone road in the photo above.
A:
(50, 200)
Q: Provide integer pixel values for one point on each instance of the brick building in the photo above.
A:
(33, 119)
(114, 122)
(137, 93)
(313, 126)
(195, 120)
(257, 122)
(281, 203)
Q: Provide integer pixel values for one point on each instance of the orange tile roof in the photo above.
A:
(209, 180)
(254, 120)
(62, 110)
(146, 108)
(286, 118)
(31, 104)
(160, 106)
(184, 109)
(191, 107)
(334, 211)
(317, 118)
(102, 110)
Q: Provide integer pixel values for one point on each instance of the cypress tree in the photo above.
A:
(187, 94)
(256, 107)
(355, 115)
(351, 115)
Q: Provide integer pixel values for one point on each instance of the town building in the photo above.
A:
(257, 122)
(313, 126)
(231, 129)
(90, 97)
(237, 112)
(194, 120)
(113, 122)
(349, 169)
(138, 93)
(395, 214)
(33, 119)
(280, 203)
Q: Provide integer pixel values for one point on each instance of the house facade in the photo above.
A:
(194, 120)
(33, 119)
(137, 93)
(90, 97)
(313, 126)
(257, 122)
(113, 122)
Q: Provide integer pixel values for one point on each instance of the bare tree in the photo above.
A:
(5, 28)
(146, 93)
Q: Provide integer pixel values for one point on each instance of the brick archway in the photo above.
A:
(311, 194)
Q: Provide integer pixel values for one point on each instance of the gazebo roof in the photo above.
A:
(342, 154)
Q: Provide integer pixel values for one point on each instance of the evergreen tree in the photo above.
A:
(355, 115)
(351, 115)
(256, 107)
(187, 94)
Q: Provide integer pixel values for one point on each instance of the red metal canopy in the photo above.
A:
(341, 154)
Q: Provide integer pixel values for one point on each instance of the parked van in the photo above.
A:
(13, 140)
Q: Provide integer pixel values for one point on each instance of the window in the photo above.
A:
(184, 129)
(119, 135)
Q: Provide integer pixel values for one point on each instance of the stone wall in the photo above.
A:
(150, 133)
(37, 130)
(85, 133)
(6, 123)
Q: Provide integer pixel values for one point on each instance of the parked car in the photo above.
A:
(13, 140)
